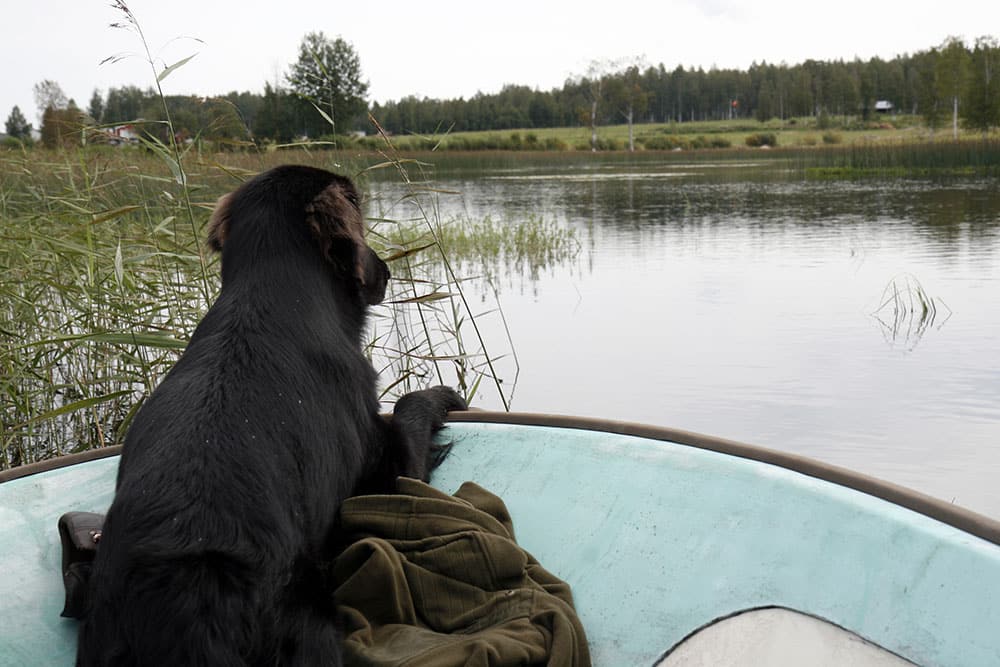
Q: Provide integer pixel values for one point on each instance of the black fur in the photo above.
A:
(234, 469)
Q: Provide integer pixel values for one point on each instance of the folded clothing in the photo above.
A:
(433, 579)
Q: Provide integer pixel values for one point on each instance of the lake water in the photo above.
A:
(746, 302)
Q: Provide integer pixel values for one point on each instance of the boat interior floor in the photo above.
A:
(777, 637)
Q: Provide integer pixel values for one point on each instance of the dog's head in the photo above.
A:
(316, 202)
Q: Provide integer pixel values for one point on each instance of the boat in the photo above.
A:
(680, 548)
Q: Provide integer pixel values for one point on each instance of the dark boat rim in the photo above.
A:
(959, 517)
(953, 515)
(57, 462)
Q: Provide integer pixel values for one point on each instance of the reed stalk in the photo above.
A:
(104, 276)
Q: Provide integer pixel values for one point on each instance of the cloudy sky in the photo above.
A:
(445, 48)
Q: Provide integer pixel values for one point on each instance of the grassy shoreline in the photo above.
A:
(699, 136)
(844, 144)
(104, 275)
(103, 272)
(691, 136)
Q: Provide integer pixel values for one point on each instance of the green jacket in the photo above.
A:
(435, 580)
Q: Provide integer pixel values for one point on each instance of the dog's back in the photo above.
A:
(233, 470)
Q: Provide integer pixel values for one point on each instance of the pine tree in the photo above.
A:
(17, 125)
(96, 108)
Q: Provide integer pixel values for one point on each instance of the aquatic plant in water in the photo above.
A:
(906, 312)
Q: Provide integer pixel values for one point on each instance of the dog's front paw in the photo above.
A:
(449, 399)
(417, 417)
(429, 407)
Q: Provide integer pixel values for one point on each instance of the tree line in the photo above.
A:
(953, 83)
(324, 94)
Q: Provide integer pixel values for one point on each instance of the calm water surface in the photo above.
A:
(744, 302)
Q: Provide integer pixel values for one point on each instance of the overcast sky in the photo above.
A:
(451, 48)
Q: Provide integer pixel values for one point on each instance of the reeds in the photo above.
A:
(937, 158)
(101, 277)
(432, 336)
(104, 276)
(492, 249)
(98, 294)
(906, 312)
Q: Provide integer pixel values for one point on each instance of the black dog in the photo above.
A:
(234, 469)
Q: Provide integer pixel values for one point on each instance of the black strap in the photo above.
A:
(80, 533)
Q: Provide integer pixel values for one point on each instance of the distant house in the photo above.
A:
(122, 134)
(883, 106)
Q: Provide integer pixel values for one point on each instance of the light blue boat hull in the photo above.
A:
(656, 539)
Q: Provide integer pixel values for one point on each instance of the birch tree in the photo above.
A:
(952, 73)
(625, 93)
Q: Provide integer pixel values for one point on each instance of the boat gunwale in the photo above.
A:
(958, 517)
(57, 462)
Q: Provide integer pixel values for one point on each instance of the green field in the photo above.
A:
(733, 134)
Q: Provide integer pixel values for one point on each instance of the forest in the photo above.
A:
(324, 94)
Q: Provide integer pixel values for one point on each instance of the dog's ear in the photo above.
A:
(218, 224)
(335, 221)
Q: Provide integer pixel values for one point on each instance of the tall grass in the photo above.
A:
(965, 157)
(101, 287)
(99, 290)
(104, 276)
(433, 335)
(492, 249)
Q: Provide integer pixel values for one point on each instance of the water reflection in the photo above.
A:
(740, 302)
